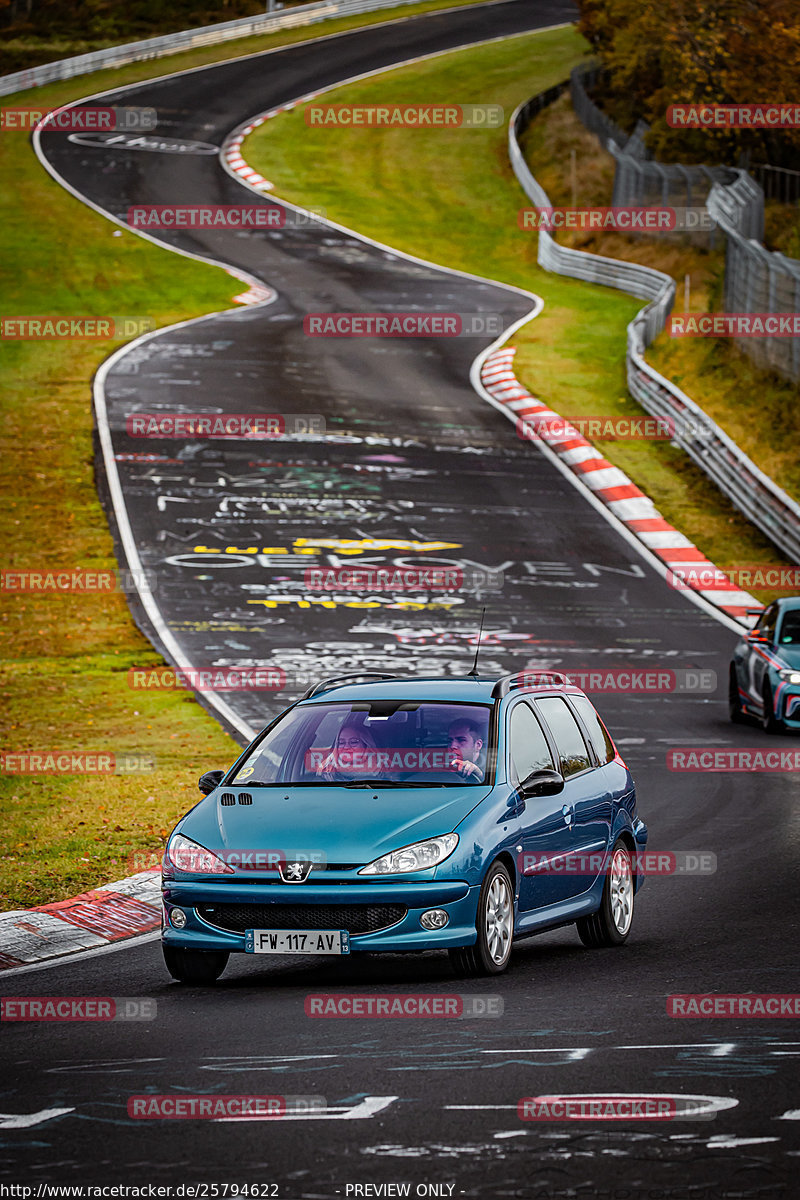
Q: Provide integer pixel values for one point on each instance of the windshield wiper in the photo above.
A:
(381, 783)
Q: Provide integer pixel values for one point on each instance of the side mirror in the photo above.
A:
(209, 781)
(758, 637)
(542, 783)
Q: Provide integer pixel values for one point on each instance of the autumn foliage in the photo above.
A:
(657, 53)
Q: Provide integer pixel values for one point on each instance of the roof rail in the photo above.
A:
(520, 679)
(335, 680)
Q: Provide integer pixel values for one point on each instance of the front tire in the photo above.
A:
(611, 924)
(769, 722)
(494, 926)
(195, 966)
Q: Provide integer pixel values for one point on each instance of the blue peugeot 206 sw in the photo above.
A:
(388, 814)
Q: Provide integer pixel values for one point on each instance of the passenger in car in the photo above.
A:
(354, 753)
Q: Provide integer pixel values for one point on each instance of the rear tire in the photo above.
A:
(195, 966)
(734, 702)
(494, 926)
(611, 924)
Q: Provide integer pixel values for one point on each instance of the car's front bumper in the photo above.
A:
(787, 704)
(457, 898)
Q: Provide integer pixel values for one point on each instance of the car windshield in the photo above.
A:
(391, 743)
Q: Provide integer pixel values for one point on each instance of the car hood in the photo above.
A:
(346, 825)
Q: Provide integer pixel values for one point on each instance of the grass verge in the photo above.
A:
(450, 196)
(63, 682)
(63, 678)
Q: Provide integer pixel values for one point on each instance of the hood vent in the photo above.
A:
(245, 798)
(227, 798)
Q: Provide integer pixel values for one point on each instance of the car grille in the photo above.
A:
(355, 918)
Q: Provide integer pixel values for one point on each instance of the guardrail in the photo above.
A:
(584, 76)
(755, 495)
(188, 39)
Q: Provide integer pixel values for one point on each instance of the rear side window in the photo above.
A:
(598, 734)
(529, 749)
(573, 755)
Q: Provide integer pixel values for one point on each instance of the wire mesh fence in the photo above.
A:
(757, 280)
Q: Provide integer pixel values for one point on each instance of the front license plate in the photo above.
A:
(297, 941)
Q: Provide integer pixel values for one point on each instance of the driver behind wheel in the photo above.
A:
(465, 748)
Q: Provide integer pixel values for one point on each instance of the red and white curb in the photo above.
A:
(611, 486)
(257, 293)
(232, 149)
(112, 913)
(232, 154)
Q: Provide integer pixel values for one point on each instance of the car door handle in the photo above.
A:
(567, 812)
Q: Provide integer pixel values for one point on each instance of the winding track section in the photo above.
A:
(412, 455)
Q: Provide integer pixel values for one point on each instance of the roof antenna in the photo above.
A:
(473, 674)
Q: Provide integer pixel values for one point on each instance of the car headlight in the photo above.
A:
(418, 857)
(190, 856)
(790, 676)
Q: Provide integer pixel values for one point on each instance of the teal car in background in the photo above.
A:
(764, 679)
